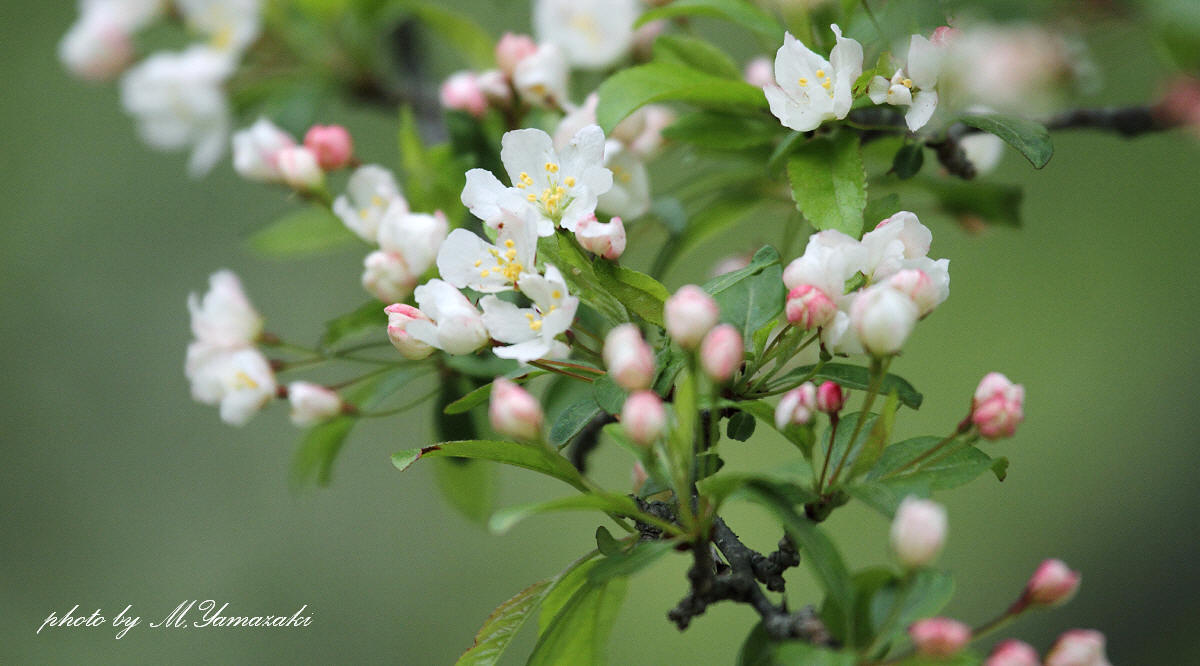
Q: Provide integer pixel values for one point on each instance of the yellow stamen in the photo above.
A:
(477, 262)
(820, 73)
(907, 83)
(570, 181)
(484, 273)
(531, 196)
(556, 294)
(535, 325)
(510, 255)
(551, 167)
(509, 243)
(376, 200)
(803, 82)
(827, 85)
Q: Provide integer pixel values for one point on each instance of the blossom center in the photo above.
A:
(554, 197)
(506, 262)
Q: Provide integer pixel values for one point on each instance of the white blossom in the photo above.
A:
(312, 403)
(224, 316)
(454, 325)
(808, 89)
(230, 25)
(256, 150)
(592, 33)
(466, 260)
(240, 380)
(914, 85)
(370, 192)
(531, 331)
(629, 196)
(541, 78)
(99, 45)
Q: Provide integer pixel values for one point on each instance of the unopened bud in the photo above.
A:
(461, 92)
(722, 353)
(514, 412)
(387, 276)
(399, 315)
(809, 307)
(511, 50)
(1053, 583)
(998, 406)
(830, 397)
(1013, 653)
(796, 407)
(918, 286)
(644, 417)
(299, 168)
(312, 403)
(630, 361)
(883, 317)
(760, 72)
(606, 239)
(939, 636)
(690, 314)
(943, 35)
(918, 531)
(495, 87)
(1078, 647)
(331, 144)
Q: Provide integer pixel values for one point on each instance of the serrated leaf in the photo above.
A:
(695, 53)
(630, 89)
(829, 183)
(754, 301)
(308, 231)
(722, 131)
(578, 632)
(857, 377)
(366, 317)
(533, 457)
(502, 626)
(609, 396)
(1029, 138)
(735, 11)
(640, 293)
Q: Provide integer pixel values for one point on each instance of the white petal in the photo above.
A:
(527, 151)
(527, 351)
(924, 103)
(924, 62)
(506, 322)
(482, 195)
(878, 89)
(847, 60)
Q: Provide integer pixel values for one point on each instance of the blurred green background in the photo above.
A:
(116, 489)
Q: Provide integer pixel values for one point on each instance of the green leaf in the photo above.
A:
(759, 650)
(858, 377)
(630, 89)
(310, 230)
(829, 183)
(881, 208)
(502, 626)
(579, 630)
(533, 457)
(368, 316)
(430, 174)
(765, 257)
(468, 485)
(909, 160)
(573, 420)
(722, 131)
(956, 469)
(458, 31)
(623, 565)
(992, 202)
(723, 213)
(801, 436)
(504, 519)
(741, 426)
(872, 449)
(695, 53)
(318, 450)
(640, 293)
(481, 394)
(792, 481)
(755, 301)
(609, 396)
(1030, 138)
(606, 543)
(735, 11)
(900, 602)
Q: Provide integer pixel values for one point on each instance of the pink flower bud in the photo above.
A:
(1013, 653)
(939, 636)
(399, 315)
(943, 35)
(809, 307)
(883, 318)
(690, 314)
(514, 412)
(917, 285)
(628, 358)
(512, 49)
(98, 46)
(722, 352)
(1078, 647)
(606, 239)
(643, 417)
(312, 403)
(997, 408)
(495, 87)
(760, 72)
(1051, 584)
(387, 276)
(299, 168)
(797, 405)
(918, 531)
(461, 92)
(331, 144)
(830, 397)
(638, 477)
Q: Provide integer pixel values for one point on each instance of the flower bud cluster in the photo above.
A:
(265, 153)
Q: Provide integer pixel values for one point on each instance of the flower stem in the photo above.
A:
(550, 368)
(878, 372)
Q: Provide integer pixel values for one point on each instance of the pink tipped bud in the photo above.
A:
(644, 417)
(883, 317)
(918, 531)
(1013, 653)
(943, 35)
(399, 315)
(495, 87)
(312, 403)
(809, 307)
(461, 92)
(939, 636)
(917, 285)
(998, 406)
(628, 358)
(1078, 647)
(690, 314)
(299, 168)
(722, 352)
(514, 412)
(796, 407)
(331, 144)
(512, 49)
(638, 477)
(760, 72)
(606, 239)
(1053, 583)
(830, 398)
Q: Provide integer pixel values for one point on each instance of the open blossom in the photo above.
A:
(256, 151)
(299, 168)
(541, 78)
(918, 531)
(408, 246)
(399, 315)
(796, 407)
(224, 317)
(808, 89)
(592, 33)
(231, 25)
(531, 332)
(606, 239)
(312, 403)
(998, 406)
(914, 85)
(99, 45)
(239, 380)
(514, 412)
(466, 260)
(178, 101)
(630, 193)
(387, 276)
(561, 186)
(1078, 647)
(629, 360)
(452, 323)
(370, 192)
(816, 280)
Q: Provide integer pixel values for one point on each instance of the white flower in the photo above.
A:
(240, 380)
(809, 89)
(561, 186)
(531, 332)
(541, 78)
(224, 316)
(370, 192)
(256, 148)
(830, 258)
(593, 33)
(454, 325)
(415, 236)
(899, 238)
(918, 531)
(99, 44)
(230, 25)
(312, 403)
(883, 317)
(300, 169)
(399, 315)
(387, 276)
(916, 89)
(629, 196)
(178, 101)
(606, 239)
(466, 260)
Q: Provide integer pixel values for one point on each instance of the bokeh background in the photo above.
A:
(116, 489)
